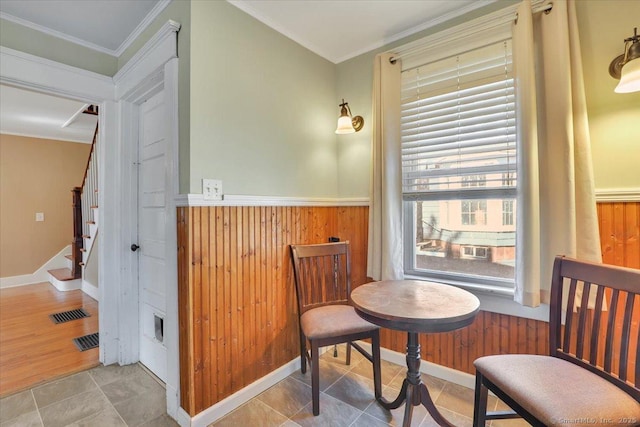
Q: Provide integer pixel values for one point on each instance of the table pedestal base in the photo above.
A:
(413, 390)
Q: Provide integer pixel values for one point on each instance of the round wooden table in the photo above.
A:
(415, 306)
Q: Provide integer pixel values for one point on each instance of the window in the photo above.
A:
(474, 252)
(508, 179)
(507, 212)
(458, 136)
(474, 212)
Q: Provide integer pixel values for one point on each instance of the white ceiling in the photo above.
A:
(334, 29)
(33, 114)
(341, 29)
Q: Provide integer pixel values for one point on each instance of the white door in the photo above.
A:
(152, 146)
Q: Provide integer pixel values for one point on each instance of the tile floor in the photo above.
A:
(106, 396)
(346, 399)
(129, 396)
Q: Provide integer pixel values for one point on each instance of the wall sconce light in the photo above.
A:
(346, 123)
(626, 67)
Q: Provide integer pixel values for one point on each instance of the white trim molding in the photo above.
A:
(240, 200)
(40, 74)
(152, 69)
(147, 62)
(618, 195)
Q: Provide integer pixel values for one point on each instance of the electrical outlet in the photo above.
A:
(212, 189)
(39, 216)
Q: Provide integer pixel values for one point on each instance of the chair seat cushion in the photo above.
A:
(333, 320)
(558, 392)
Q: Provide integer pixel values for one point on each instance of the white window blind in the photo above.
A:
(458, 123)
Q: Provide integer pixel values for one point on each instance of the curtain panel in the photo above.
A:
(556, 150)
(384, 256)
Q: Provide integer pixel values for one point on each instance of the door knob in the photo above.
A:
(134, 247)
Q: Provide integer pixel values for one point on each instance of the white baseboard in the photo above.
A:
(41, 274)
(90, 290)
(222, 408)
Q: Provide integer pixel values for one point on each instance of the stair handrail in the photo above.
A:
(93, 144)
(85, 198)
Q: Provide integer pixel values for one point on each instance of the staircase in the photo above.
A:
(85, 228)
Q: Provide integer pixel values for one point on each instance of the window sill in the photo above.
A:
(497, 300)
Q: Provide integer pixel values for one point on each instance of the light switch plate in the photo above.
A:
(211, 189)
(39, 216)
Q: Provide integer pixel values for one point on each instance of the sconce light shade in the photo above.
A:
(626, 67)
(346, 123)
(630, 77)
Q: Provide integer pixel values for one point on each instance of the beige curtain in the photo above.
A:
(566, 206)
(384, 260)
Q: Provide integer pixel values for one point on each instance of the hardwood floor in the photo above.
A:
(32, 348)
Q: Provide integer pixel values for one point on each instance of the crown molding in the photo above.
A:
(57, 34)
(413, 30)
(148, 19)
(240, 200)
(245, 7)
(153, 14)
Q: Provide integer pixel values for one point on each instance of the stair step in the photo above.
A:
(83, 250)
(94, 207)
(91, 222)
(61, 274)
(86, 236)
(81, 264)
(69, 257)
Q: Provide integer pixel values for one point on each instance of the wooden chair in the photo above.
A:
(323, 285)
(593, 372)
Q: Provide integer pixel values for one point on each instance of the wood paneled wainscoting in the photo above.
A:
(237, 304)
(237, 307)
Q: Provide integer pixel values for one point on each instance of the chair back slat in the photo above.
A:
(611, 323)
(582, 323)
(595, 330)
(322, 274)
(624, 341)
(569, 319)
(608, 327)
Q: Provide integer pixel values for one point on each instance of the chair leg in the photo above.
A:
(480, 402)
(315, 378)
(303, 353)
(375, 352)
(348, 353)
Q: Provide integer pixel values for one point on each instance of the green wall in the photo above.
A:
(24, 39)
(263, 108)
(355, 84)
(613, 118)
(257, 110)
